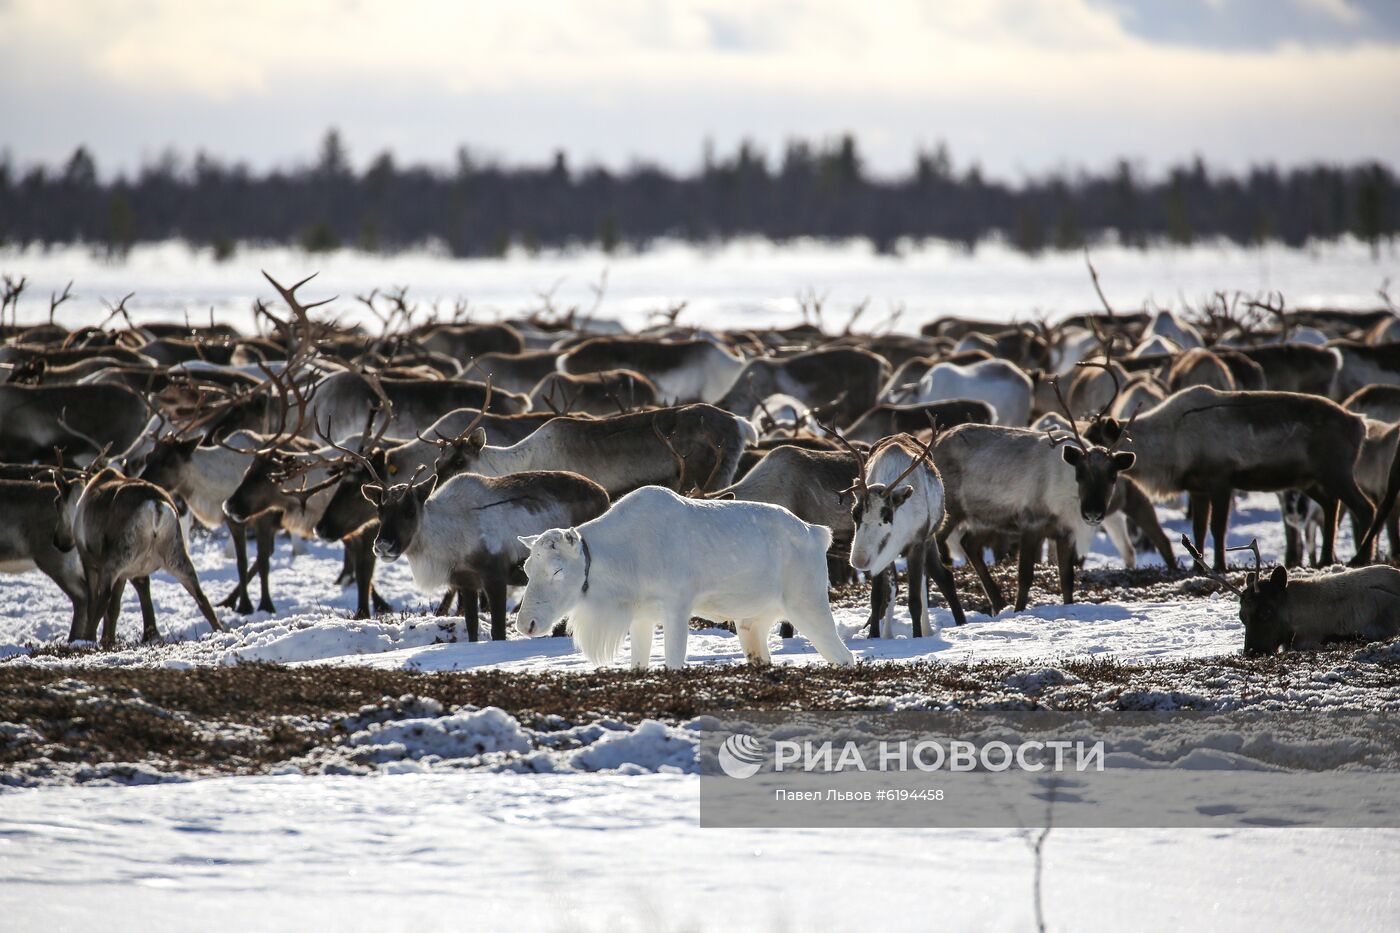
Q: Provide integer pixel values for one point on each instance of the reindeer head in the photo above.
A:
(260, 490)
(884, 527)
(167, 457)
(1261, 611)
(400, 510)
(558, 569)
(1096, 467)
(1261, 601)
(67, 491)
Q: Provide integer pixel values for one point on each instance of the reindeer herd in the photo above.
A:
(629, 480)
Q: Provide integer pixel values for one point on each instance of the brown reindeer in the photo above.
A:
(38, 532)
(127, 529)
(1210, 443)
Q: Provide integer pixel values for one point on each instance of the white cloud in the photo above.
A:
(1019, 82)
(1343, 11)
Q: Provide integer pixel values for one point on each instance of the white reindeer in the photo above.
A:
(656, 556)
(1000, 384)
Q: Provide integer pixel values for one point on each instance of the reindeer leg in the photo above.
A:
(1330, 513)
(113, 609)
(973, 549)
(887, 620)
(237, 599)
(347, 569)
(471, 609)
(96, 604)
(641, 632)
(1198, 507)
(1220, 501)
(446, 602)
(178, 566)
(1067, 559)
(55, 565)
(149, 632)
(937, 568)
(918, 588)
(496, 596)
(1292, 546)
(361, 556)
(1358, 535)
(1025, 568)
(879, 594)
(266, 534)
(1392, 533)
(1353, 498)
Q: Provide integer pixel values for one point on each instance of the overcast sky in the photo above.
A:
(1020, 85)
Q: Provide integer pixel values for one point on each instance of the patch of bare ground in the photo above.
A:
(254, 718)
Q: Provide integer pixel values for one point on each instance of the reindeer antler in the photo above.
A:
(1107, 367)
(861, 460)
(1058, 439)
(925, 454)
(1200, 563)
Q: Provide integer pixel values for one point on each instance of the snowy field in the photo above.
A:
(605, 849)
(747, 283)
(607, 853)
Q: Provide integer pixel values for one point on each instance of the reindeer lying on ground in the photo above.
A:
(657, 556)
(1303, 615)
(127, 529)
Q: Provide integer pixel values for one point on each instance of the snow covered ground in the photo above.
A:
(745, 283)
(594, 853)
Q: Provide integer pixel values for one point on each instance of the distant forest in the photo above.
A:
(480, 207)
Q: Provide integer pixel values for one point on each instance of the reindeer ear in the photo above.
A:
(1279, 578)
(1072, 455)
(901, 495)
(1251, 581)
(528, 540)
(571, 537)
(425, 489)
(375, 494)
(1124, 460)
(477, 439)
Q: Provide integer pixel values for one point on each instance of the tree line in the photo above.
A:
(810, 189)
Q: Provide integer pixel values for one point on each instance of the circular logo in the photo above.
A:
(741, 756)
